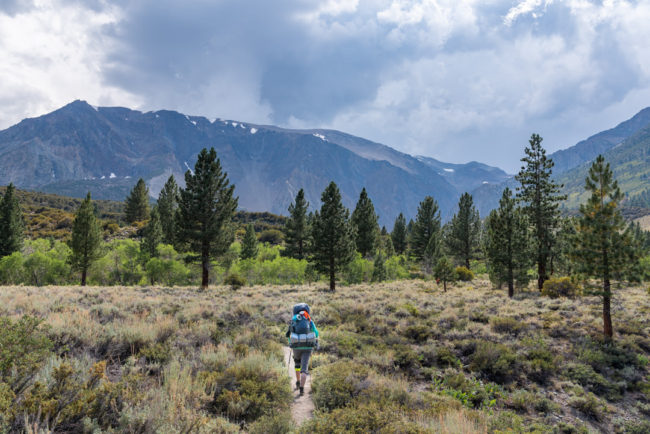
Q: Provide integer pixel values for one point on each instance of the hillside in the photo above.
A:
(81, 148)
(394, 357)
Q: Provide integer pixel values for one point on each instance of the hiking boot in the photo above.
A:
(297, 384)
(302, 391)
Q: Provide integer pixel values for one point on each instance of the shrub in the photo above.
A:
(336, 385)
(470, 392)
(235, 281)
(507, 325)
(560, 287)
(587, 377)
(590, 405)
(496, 362)
(271, 236)
(464, 274)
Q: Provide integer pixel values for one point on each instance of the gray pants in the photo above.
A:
(301, 360)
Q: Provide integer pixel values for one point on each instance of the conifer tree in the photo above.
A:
(136, 207)
(365, 224)
(464, 230)
(333, 235)
(388, 246)
(205, 210)
(153, 234)
(399, 234)
(249, 243)
(297, 228)
(541, 198)
(167, 205)
(11, 223)
(507, 243)
(426, 234)
(86, 239)
(379, 269)
(604, 248)
(444, 271)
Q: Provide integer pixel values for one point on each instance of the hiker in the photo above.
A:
(303, 338)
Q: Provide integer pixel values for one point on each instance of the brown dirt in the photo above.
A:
(302, 407)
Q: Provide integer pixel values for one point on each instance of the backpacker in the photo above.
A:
(301, 334)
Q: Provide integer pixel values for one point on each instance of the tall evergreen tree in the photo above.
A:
(12, 226)
(604, 247)
(205, 210)
(561, 259)
(249, 243)
(426, 234)
(365, 224)
(167, 205)
(541, 199)
(153, 234)
(333, 235)
(464, 230)
(297, 228)
(136, 206)
(444, 271)
(86, 239)
(400, 235)
(507, 243)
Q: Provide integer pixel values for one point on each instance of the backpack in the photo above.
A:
(300, 329)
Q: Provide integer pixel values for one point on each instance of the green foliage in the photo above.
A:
(46, 263)
(426, 234)
(396, 268)
(153, 234)
(249, 243)
(333, 235)
(541, 199)
(297, 229)
(464, 274)
(399, 235)
(121, 265)
(167, 269)
(205, 210)
(561, 287)
(379, 273)
(358, 270)
(336, 384)
(507, 244)
(271, 236)
(167, 206)
(590, 405)
(12, 225)
(11, 269)
(85, 240)
(364, 221)
(470, 392)
(604, 247)
(462, 236)
(136, 204)
(507, 325)
(445, 271)
(496, 362)
(235, 281)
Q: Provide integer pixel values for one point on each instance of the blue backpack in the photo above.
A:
(301, 334)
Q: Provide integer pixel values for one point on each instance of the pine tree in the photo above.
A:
(167, 205)
(205, 210)
(297, 228)
(507, 243)
(604, 248)
(561, 260)
(249, 243)
(153, 234)
(136, 207)
(333, 235)
(426, 234)
(365, 224)
(399, 234)
(541, 199)
(464, 230)
(12, 226)
(86, 239)
(379, 271)
(444, 271)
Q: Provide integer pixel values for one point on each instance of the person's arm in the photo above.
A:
(313, 328)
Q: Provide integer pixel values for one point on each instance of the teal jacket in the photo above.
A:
(312, 327)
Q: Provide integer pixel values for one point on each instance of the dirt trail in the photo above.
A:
(302, 407)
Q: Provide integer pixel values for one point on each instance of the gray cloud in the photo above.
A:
(457, 80)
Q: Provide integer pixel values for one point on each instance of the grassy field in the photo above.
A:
(395, 357)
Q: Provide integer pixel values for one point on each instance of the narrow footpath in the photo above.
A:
(302, 407)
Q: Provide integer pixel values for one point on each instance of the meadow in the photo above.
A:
(400, 356)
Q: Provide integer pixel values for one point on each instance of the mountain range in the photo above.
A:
(104, 150)
(81, 148)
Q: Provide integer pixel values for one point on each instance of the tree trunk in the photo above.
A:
(444, 285)
(205, 262)
(83, 277)
(607, 297)
(332, 276)
(541, 275)
(511, 289)
(467, 262)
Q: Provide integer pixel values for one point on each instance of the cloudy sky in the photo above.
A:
(457, 80)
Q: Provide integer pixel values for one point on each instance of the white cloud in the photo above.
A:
(52, 54)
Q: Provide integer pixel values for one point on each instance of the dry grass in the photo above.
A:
(179, 345)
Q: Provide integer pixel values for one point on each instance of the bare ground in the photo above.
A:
(302, 407)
